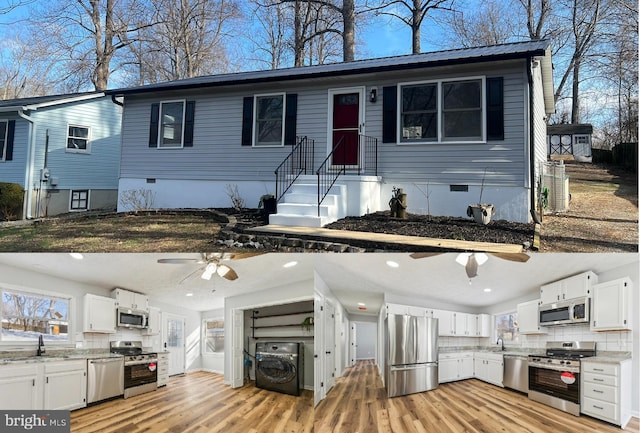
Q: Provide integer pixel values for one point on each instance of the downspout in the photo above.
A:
(532, 152)
(28, 177)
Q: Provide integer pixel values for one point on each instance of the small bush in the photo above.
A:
(11, 199)
(138, 199)
(234, 195)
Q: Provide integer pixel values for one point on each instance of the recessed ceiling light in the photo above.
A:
(76, 256)
(392, 264)
(290, 264)
(361, 304)
(189, 294)
(487, 290)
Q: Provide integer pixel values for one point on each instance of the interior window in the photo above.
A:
(462, 110)
(25, 316)
(269, 120)
(506, 326)
(419, 116)
(78, 138)
(171, 124)
(214, 336)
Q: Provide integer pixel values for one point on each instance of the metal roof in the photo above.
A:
(35, 102)
(570, 128)
(516, 50)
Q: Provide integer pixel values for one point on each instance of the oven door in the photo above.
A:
(555, 382)
(141, 373)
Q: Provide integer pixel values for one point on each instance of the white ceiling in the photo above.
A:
(352, 278)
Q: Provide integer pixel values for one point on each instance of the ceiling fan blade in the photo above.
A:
(178, 261)
(191, 274)
(514, 257)
(471, 267)
(423, 255)
(226, 272)
(238, 256)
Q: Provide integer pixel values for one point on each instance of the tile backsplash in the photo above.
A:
(101, 341)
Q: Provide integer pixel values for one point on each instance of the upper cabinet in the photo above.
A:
(407, 310)
(154, 322)
(528, 318)
(611, 309)
(131, 300)
(99, 314)
(577, 286)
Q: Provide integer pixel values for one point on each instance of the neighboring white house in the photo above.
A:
(64, 150)
(570, 139)
(446, 127)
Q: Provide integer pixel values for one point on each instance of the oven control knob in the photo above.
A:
(549, 360)
(568, 363)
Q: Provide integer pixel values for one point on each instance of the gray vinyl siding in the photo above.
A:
(98, 169)
(217, 153)
(14, 171)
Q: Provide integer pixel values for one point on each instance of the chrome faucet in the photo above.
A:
(41, 350)
(500, 340)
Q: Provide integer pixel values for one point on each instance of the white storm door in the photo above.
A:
(237, 356)
(173, 336)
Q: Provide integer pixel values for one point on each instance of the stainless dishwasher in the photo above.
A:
(105, 378)
(516, 372)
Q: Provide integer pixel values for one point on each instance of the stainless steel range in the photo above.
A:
(554, 378)
(140, 368)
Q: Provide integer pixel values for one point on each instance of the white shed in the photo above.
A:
(570, 139)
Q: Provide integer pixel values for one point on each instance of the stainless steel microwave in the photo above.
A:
(128, 318)
(565, 312)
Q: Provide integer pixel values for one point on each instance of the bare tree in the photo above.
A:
(413, 13)
(22, 72)
(537, 12)
(492, 23)
(271, 39)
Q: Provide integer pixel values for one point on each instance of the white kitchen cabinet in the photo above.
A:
(529, 319)
(446, 322)
(154, 322)
(489, 367)
(163, 368)
(99, 314)
(65, 385)
(455, 366)
(577, 286)
(611, 308)
(131, 300)
(483, 325)
(465, 324)
(606, 391)
(20, 387)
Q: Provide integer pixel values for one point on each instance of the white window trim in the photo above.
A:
(3, 150)
(184, 110)
(441, 139)
(254, 130)
(88, 200)
(494, 328)
(204, 338)
(84, 151)
(71, 330)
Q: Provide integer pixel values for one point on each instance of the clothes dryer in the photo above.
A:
(279, 367)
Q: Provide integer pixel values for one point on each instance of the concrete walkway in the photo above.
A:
(411, 242)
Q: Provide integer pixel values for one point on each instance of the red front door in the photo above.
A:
(346, 128)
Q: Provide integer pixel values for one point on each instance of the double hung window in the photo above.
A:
(269, 120)
(78, 139)
(3, 140)
(171, 124)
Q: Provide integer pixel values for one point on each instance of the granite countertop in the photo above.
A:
(14, 358)
(520, 351)
(610, 357)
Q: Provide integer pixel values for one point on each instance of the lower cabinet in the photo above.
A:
(44, 385)
(163, 368)
(489, 367)
(455, 366)
(606, 391)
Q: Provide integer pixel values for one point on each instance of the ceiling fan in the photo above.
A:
(211, 263)
(471, 261)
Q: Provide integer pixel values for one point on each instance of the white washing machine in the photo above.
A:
(279, 366)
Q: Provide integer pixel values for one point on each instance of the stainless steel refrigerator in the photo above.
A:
(412, 354)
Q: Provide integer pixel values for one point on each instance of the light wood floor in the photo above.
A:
(196, 403)
(358, 404)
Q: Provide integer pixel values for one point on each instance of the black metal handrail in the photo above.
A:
(328, 173)
(296, 163)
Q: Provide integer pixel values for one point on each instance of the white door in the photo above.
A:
(354, 345)
(237, 337)
(318, 384)
(173, 333)
(329, 345)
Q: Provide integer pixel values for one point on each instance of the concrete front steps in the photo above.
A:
(299, 206)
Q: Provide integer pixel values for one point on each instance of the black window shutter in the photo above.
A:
(189, 117)
(247, 121)
(290, 119)
(389, 114)
(495, 108)
(11, 128)
(153, 125)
